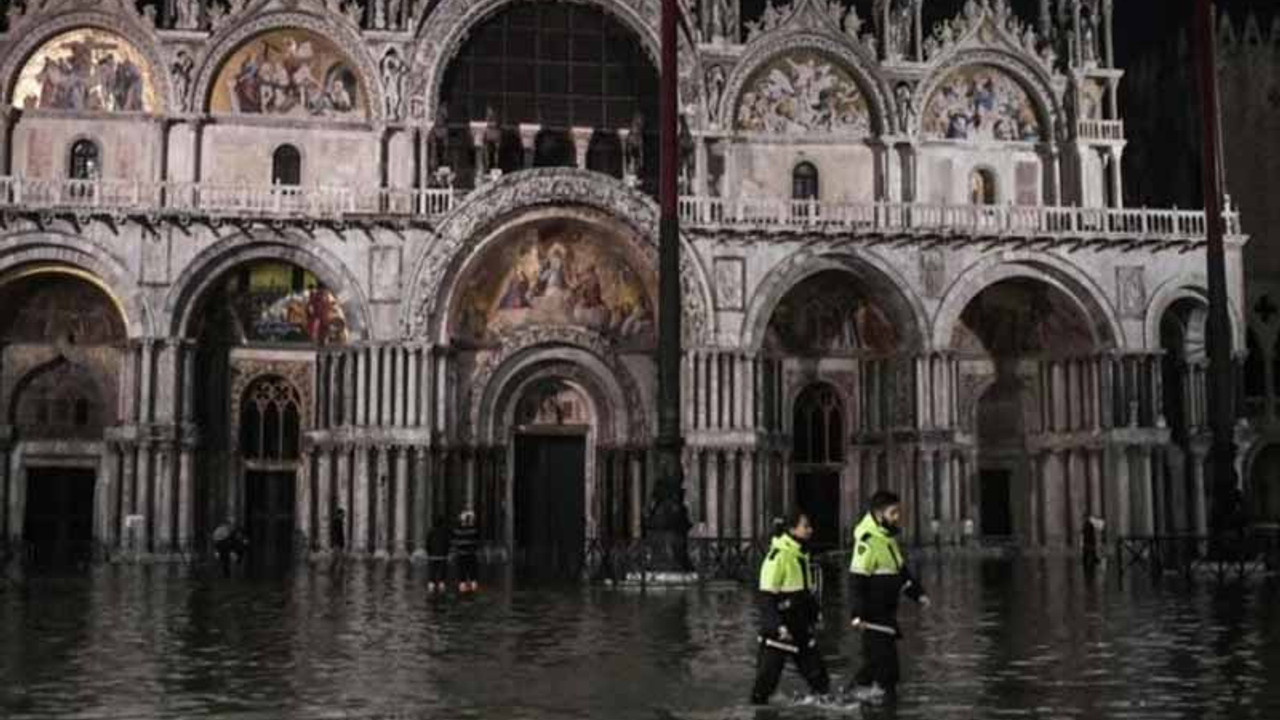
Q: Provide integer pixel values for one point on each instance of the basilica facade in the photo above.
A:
(265, 259)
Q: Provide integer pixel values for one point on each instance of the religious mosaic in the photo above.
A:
(803, 93)
(289, 73)
(981, 103)
(276, 302)
(59, 308)
(556, 272)
(552, 402)
(86, 70)
(828, 314)
(1022, 317)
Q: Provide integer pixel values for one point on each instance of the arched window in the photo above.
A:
(286, 166)
(804, 182)
(270, 420)
(819, 426)
(86, 163)
(982, 187)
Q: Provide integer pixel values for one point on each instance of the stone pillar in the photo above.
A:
(1054, 505)
(360, 482)
(128, 482)
(581, 144)
(324, 498)
(146, 380)
(362, 385)
(401, 547)
(713, 494)
(143, 490)
(386, 384)
(481, 164)
(1077, 492)
(528, 142)
(1114, 156)
(305, 530)
(701, 171)
(1143, 507)
(413, 368)
(1035, 498)
(747, 511)
(730, 492)
(1121, 505)
(422, 510)
(1199, 512)
(945, 514)
(636, 468)
(1096, 499)
(927, 510)
(165, 481)
(381, 487)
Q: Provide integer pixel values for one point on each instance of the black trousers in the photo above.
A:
(771, 660)
(879, 660)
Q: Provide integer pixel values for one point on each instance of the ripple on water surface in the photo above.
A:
(1027, 639)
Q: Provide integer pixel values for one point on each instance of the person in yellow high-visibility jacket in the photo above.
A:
(790, 612)
(880, 576)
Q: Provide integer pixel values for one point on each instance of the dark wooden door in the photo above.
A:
(818, 495)
(269, 505)
(59, 517)
(997, 519)
(550, 508)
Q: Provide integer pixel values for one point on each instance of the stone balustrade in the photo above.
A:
(735, 214)
(1100, 129)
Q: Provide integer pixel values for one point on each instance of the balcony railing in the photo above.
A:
(130, 196)
(977, 220)
(1100, 129)
(743, 214)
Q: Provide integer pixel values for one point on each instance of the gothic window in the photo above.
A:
(86, 162)
(286, 166)
(819, 426)
(982, 187)
(60, 402)
(270, 420)
(804, 182)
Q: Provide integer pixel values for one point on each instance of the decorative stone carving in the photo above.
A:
(905, 101)
(393, 69)
(181, 68)
(730, 278)
(978, 102)
(633, 148)
(986, 23)
(1131, 291)
(715, 80)
(803, 93)
(933, 272)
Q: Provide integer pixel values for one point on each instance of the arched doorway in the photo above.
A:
(257, 328)
(551, 428)
(270, 423)
(1182, 366)
(1023, 345)
(61, 344)
(832, 342)
(818, 455)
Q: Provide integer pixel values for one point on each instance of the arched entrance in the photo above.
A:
(257, 328)
(1183, 368)
(818, 455)
(61, 343)
(1024, 345)
(834, 341)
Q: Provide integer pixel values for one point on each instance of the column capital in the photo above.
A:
(528, 134)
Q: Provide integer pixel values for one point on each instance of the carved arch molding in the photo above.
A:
(437, 266)
(244, 373)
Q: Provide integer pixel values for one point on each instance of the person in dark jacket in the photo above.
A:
(880, 576)
(437, 555)
(466, 546)
(789, 611)
(228, 540)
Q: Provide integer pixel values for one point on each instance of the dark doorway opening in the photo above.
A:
(550, 511)
(59, 520)
(269, 505)
(997, 519)
(818, 495)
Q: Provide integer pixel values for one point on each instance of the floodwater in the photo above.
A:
(1028, 638)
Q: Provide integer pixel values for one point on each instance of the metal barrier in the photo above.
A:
(736, 559)
(1223, 558)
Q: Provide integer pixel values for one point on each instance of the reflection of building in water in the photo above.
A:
(297, 263)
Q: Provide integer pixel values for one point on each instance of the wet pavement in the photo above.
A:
(1029, 638)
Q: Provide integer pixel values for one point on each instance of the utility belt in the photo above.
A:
(794, 646)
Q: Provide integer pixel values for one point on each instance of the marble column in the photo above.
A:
(128, 487)
(480, 164)
(636, 468)
(730, 494)
(382, 501)
(528, 142)
(1096, 498)
(1121, 507)
(324, 498)
(360, 490)
(164, 499)
(145, 496)
(581, 144)
(109, 472)
(1199, 511)
(1143, 509)
(361, 356)
(927, 510)
(146, 380)
(401, 548)
(747, 506)
(305, 530)
(422, 510)
(713, 494)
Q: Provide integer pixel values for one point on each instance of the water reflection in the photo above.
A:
(1033, 638)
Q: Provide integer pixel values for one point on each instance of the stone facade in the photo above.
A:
(906, 264)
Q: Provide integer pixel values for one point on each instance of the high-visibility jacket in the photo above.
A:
(880, 575)
(786, 588)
